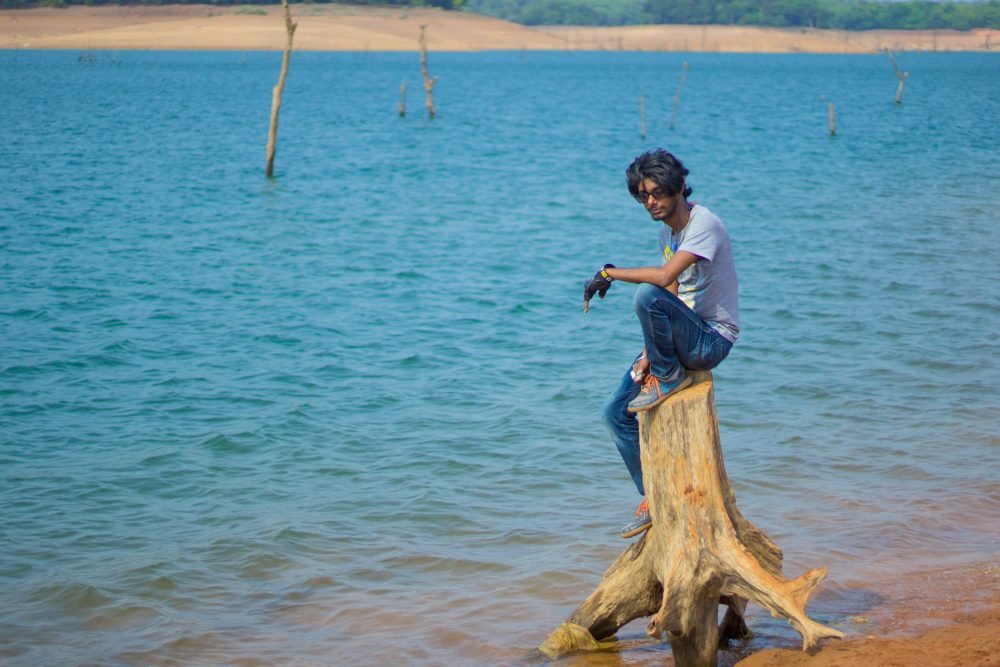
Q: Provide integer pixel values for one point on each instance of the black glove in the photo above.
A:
(598, 285)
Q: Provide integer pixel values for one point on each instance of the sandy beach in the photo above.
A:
(935, 618)
(974, 641)
(344, 28)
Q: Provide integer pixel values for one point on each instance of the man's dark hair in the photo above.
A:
(662, 168)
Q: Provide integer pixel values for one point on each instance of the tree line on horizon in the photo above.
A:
(833, 14)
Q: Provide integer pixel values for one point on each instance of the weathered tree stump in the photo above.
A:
(699, 553)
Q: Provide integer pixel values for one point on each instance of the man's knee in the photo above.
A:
(646, 295)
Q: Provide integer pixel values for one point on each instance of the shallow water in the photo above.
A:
(351, 415)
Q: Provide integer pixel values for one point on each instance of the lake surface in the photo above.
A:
(351, 415)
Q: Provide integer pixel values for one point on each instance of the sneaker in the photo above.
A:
(641, 522)
(655, 391)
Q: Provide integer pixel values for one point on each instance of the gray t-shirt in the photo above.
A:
(708, 286)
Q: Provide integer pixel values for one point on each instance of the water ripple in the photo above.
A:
(352, 414)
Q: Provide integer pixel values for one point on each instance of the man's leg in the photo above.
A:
(675, 338)
(624, 426)
(699, 346)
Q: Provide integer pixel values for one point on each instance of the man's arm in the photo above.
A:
(663, 276)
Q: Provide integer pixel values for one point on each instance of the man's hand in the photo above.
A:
(598, 285)
(640, 368)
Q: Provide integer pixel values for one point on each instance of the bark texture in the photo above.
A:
(699, 553)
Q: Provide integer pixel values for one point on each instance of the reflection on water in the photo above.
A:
(351, 415)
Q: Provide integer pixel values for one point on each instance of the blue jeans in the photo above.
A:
(674, 337)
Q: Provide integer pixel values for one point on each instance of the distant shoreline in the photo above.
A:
(350, 28)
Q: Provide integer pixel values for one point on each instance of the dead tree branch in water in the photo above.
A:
(642, 117)
(272, 135)
(899, 75)
(428, 81)
(677, 95)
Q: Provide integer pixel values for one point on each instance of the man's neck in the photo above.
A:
(679, 219)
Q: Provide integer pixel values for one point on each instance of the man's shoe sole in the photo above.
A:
(683, 385)
(633, 533)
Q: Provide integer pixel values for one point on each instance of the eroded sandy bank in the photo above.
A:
(345, 28)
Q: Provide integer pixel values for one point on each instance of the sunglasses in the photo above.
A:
(659, 193)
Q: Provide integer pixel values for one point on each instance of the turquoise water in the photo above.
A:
(351, 415)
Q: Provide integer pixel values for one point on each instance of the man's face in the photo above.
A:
(658, 203)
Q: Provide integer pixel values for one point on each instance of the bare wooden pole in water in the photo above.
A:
(642, 116)
(699, 553)
(677, 95)
(899, 75)
(272, 135)
(428, 81)
(402, 99)
(833, 120)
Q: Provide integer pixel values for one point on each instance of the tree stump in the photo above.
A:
(699, 553)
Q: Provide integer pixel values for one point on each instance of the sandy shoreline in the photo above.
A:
(974, 641)
(933, 618)
(346, 28)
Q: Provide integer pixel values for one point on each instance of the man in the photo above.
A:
(687, 306)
